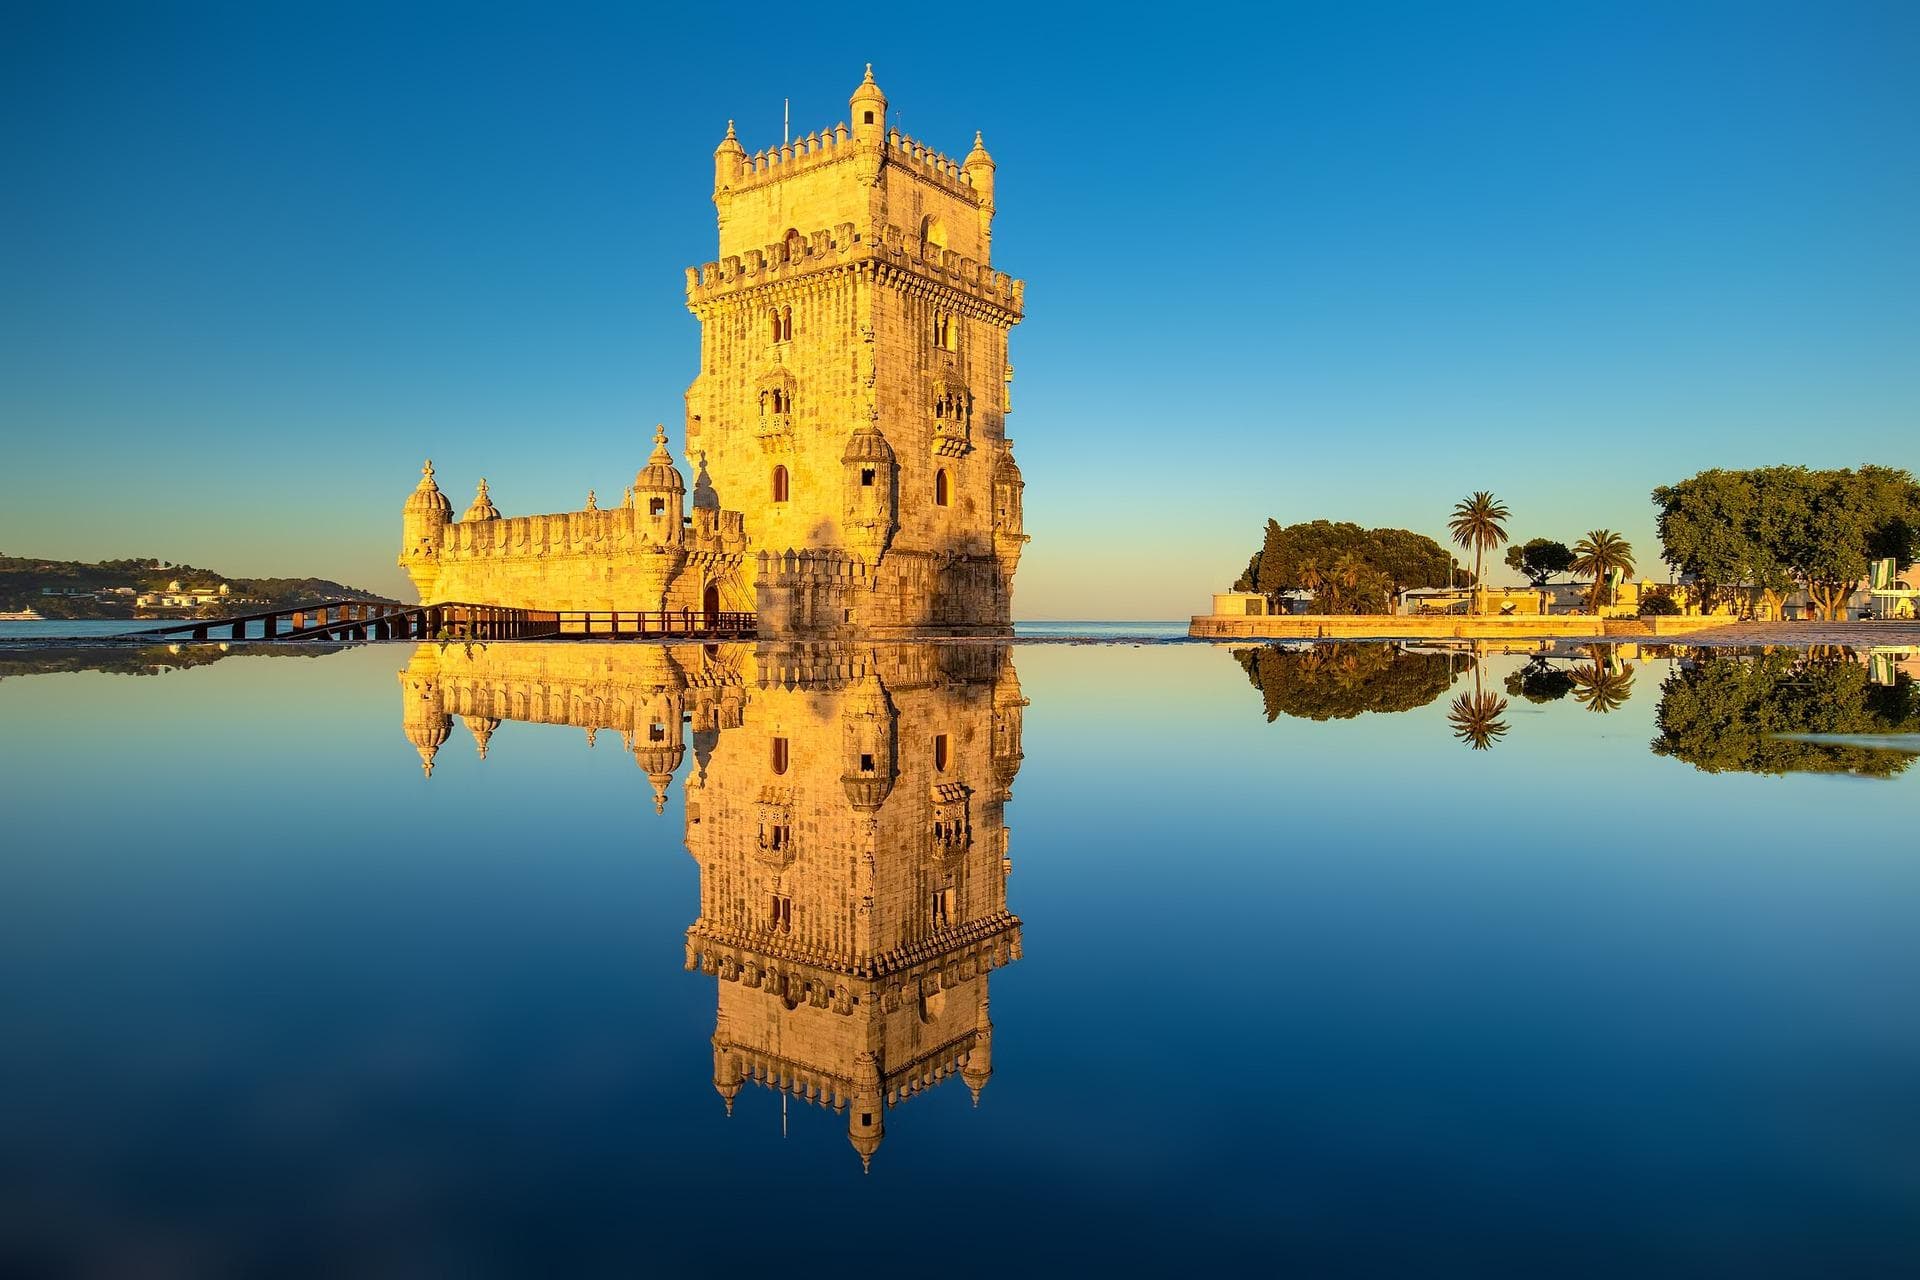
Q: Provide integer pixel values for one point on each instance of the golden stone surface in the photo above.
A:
(846, 432)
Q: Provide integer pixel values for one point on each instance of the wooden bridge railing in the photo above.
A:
(382, 620)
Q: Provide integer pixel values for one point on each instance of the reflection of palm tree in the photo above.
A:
(1475, 716)
(1479, 524)
(1596, 556)
(1601, 688)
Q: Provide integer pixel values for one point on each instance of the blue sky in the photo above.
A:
(1336, 260)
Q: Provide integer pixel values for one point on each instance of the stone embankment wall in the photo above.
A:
(1309, 626)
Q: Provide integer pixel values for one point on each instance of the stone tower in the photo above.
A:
(854, 383)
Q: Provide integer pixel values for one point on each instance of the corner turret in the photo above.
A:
(870, 485)
(659, 496)
(422, 522)
(869, 744)
(1009, 516)
(869, 107)
(866, 1110)
(482, 507)
(727, 159)
(979, 1066)
(423, 712)
(979, 169)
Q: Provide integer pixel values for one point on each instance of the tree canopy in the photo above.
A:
(1340, 681)
(1724, 715)
(1775, 527)
(1348, 569)
(1538, 559)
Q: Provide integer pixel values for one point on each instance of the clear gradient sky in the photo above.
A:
(1340, 260)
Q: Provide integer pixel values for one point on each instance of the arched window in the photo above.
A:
(941, 488)
(794, 247)
(940, 752)
(785, 323)
(932, 234)
(780, 484)
(779, 755)
(773, 324)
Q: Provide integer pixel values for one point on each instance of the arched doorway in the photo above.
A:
(710, 604)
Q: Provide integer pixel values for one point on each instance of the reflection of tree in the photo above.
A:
(1339, 681)
(139, 660)
(1600, 687)
(1723, 714)
(1539, 681)
(1475, 716)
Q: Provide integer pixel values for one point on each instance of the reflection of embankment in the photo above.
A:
(846, 807)
(1726, 714)
(1340, 681)
(136, 660)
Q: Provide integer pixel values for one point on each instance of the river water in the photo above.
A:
(604, 959)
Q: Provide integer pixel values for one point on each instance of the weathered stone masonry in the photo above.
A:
(846, 431)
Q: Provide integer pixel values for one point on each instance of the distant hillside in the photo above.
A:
(112, 588)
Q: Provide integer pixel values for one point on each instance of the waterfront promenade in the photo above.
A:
(1691, 630)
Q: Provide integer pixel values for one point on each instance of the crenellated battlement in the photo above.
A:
(933, 166)
(836, 143)
(842, 246)
(591, 532)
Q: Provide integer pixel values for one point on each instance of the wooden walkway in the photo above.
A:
(343, 620)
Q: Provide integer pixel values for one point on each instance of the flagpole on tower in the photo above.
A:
(786, 121)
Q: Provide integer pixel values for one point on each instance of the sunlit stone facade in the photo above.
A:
(846, 807)
(846, 433)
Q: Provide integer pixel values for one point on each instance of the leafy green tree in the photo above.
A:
(1409, 560)
(1346, 568)
(1729, 714)
(1341, 681)
(1539, 559)
(1658, 602)
(1479, 525)
(1774, 527)
(1596, 556)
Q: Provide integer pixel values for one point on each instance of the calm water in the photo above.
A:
(1316, 960)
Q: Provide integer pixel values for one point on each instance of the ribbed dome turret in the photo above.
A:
(427, 734)
(978, 156)
(426, 498)
(730, 145)
(866, 444)
(482, 507)
(868, 92)
(481, 727)
(659, 475)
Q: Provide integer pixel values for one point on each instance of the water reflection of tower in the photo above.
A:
(852, 849)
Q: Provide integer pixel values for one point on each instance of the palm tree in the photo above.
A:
(1479, 525)
(1312, 580)
(1596, 556)
(1347, 573)
(1475, 716)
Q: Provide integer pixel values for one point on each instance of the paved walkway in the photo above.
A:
(1854, 635)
